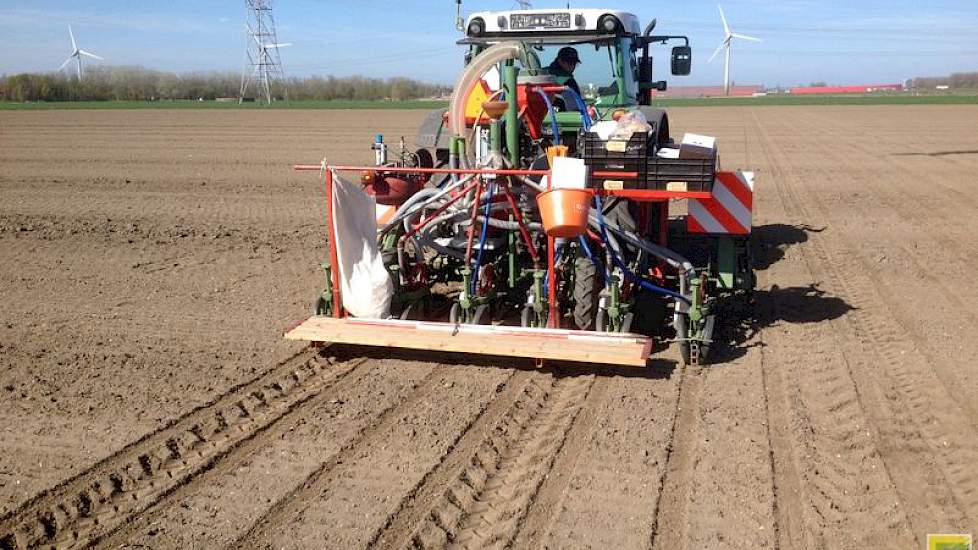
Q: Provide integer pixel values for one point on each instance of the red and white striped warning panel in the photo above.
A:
(730, 209)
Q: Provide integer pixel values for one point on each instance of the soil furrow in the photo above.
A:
(822, 448)
(904, 252)
(670, 525)
(915, 380)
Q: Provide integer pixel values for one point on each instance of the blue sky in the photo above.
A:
(854, 41)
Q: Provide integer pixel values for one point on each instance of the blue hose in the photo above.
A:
(585, 118)
(482, 238)
(546, 280)
(553, 115)
(621, 265)
(590, 256)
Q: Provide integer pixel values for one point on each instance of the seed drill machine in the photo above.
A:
(533, 217)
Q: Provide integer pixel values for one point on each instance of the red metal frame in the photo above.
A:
(334, 272)
(641, 195)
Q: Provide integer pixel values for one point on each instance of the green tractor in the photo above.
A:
(467, 241)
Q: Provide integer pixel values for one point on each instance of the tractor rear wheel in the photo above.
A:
(587, 287)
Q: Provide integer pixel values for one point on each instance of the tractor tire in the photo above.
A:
(587, 287)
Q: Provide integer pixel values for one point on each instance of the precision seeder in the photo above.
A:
(533, 220)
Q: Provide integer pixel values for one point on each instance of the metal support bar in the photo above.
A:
(333, 257)
(512, 112)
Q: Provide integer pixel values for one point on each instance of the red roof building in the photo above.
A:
(861, 89)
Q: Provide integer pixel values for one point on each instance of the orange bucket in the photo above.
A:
(564, 211)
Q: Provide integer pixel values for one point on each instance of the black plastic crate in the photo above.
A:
(617, 156)
(680, 174)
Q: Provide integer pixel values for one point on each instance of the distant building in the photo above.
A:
(710, 91)
(860, 89)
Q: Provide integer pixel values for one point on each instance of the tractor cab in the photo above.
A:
(615, 68)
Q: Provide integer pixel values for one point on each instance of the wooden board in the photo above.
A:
(554, 344)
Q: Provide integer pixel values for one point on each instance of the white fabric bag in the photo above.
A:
(365, 285)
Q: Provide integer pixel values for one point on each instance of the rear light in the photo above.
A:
(476, 27)
(609, 24)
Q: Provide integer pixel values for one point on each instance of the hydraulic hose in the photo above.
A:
(482, 238)
(553, 115)
(468, 79)
(427, 195)
(585, 118)
(621, 265)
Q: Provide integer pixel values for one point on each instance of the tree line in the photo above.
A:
(956, 81)
(105, 83)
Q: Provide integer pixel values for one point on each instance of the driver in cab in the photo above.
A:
(562, 70)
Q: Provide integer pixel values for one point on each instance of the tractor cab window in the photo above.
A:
(596, 74)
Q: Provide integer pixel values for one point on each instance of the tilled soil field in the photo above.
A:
(151, 260)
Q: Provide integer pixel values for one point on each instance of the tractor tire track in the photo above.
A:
(547, 502)
(914, 387)
(283, 455)
(397, 530)
(607, 493)
(489, 493)
(930, 458)
(78, 511)
(845, 476)
(827, 470)
(956, 243)
(375, 466)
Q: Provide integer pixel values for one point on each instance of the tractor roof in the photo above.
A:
(548, 25)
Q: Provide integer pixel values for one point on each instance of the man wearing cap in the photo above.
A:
(563, 68)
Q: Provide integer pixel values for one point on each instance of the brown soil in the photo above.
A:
(151, 260)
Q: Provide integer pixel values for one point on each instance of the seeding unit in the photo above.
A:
(493, 240)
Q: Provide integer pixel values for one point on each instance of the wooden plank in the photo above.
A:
(554, 344)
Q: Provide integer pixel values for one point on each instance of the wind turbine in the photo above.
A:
(728, 37)
(263, 48)
(76, 54)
